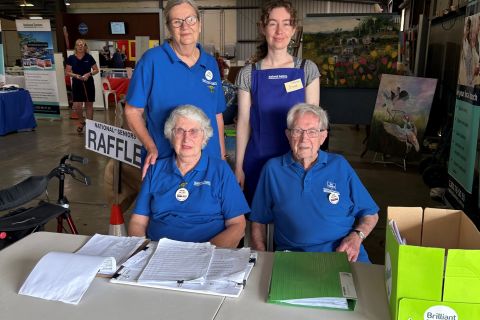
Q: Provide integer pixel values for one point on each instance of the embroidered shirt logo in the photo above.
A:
(331, 187)
(277, 77)
(201, 183)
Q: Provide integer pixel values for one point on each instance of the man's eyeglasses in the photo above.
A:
(190, 21)
(311, 133)
(192, 133)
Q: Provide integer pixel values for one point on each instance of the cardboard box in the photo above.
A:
(436, 275)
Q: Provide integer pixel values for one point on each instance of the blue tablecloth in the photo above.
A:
(16, 111)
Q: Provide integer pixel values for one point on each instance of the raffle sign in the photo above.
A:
(39, 65)
(113, 142)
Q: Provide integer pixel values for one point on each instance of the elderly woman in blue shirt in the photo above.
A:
(190, 196)
(314, 198)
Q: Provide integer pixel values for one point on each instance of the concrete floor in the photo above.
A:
(37, 152)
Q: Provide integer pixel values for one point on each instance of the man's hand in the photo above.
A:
(150, 159)
(351, 245)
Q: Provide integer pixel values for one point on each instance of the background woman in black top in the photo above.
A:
(81, 66)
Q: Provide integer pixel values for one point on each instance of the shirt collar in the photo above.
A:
(321, 160)
(202, 60)
(201, 165)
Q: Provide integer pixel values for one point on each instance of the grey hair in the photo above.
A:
(173, 3)
(301, 108)
(192, 113)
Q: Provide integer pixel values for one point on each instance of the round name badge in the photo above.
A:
(209, 75)
(181, 194)
(333, 198)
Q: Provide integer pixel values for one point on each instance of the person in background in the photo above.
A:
(178, 72)
(190, 196)
(81, 67)
(222, 65)
(118, 59)
(315, 200)
(268, 88)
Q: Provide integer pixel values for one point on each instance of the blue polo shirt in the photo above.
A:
(162, 81)
(214, 196)
(312, 210)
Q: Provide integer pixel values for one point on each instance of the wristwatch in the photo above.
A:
(360, 234)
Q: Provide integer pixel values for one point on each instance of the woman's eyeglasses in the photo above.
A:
(190, 21)
(192, 133)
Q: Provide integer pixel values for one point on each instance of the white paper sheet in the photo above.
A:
(62, 276)
(178, 261)
(228, 265)
(121, 248)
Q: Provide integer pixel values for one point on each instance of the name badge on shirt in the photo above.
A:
(182, 194)
(293, 85)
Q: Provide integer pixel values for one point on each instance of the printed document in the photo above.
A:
(120, 248)
(62, 276)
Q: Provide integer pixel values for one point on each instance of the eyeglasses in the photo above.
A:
(192, 133)
(311, 133)
(190, 21)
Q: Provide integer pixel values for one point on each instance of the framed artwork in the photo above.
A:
(401, 114)
(352, 50)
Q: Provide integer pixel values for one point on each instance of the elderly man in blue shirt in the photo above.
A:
(314, 198)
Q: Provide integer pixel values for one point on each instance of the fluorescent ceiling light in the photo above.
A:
(35, 18)
(26, 4)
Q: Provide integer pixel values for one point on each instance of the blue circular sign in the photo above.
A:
(83, 28)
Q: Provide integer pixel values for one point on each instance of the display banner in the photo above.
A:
(38, 61)
(113, 142)
(2, 64)
(461, 165)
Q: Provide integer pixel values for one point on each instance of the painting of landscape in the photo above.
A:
(352, 50)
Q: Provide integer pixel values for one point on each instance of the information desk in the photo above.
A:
(103, 300)
(114, 301)
(369, 284)
(16, 111)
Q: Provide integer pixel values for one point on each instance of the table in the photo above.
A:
(16, 111)
(15, 79)
(115, 301)
(369, 284)
(103, 300)
(120, 85)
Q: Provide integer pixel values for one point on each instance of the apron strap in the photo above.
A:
(302, 65)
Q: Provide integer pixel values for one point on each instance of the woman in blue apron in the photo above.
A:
(268, 88)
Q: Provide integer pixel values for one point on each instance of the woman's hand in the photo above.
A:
(240, 177)
(86, 76)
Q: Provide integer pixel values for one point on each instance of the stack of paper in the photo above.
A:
(118, 249)
(66, 277)
(186, 266)
(396, 232)
(313, 279)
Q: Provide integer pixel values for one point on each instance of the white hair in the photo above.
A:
(192, 113)
(301, 108)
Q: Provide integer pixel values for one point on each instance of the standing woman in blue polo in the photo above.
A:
(268, 88)
(175, 73)
(190, 196)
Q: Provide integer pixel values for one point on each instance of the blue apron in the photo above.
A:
(268, 119)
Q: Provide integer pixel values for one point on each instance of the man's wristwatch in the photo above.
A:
(360, 234)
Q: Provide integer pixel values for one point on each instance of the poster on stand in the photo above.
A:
(400, 116)
(463, 149)
(36, 45)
